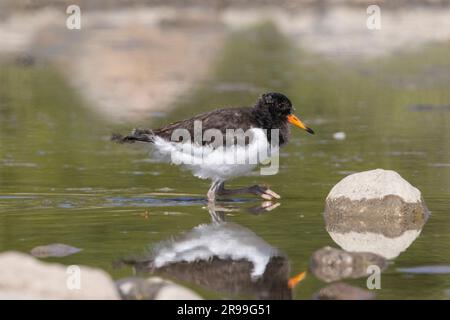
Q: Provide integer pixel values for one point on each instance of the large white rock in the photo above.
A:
(24, 277)
(375, 211)
(375, 184)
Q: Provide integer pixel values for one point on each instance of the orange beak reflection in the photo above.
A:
(298, 123)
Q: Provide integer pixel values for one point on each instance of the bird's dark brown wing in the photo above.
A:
(221, 119)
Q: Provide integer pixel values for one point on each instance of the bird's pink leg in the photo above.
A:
(213, 190)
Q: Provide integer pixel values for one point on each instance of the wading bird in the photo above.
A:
(203, 144)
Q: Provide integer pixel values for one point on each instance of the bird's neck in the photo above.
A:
(264, 119)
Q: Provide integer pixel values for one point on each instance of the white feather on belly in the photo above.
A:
(221, 163)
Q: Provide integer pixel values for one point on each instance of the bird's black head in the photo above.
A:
(275, 104)
(274, 109)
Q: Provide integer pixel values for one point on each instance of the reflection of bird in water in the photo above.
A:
(224, 257)
(207, 151)
(387, 236)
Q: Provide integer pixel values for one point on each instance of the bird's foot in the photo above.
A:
(218, 189)
(264, 192)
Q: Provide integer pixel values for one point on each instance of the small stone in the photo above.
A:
(342, 291)
(135, 288)
(339, 135)
(153, 288)
(25, 60)
(329, 264)
(54, 250)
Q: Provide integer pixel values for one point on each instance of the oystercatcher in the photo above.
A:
(225, 143)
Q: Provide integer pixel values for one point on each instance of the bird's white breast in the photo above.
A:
(221, 163)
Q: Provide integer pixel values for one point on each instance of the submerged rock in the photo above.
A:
(153, 289)
(375, 211)
(329, 264)
(24, 277)
(342, 291)
(54, 250)
(25, 59)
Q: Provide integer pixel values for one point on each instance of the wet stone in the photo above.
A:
(375, 211)
(329, 264)
(25, 60)
(379, 193)
(154, 288)
(137, 289)
(54, 250)
(342, 291)
(25, 277)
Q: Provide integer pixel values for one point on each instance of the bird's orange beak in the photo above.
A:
(296, 279)
(298, 123)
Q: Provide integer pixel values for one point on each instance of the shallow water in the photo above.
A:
(62, 181)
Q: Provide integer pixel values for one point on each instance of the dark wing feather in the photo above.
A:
(221, 119)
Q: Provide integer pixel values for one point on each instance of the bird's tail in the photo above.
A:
(142, 135)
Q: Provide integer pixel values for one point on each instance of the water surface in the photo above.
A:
(63, 181)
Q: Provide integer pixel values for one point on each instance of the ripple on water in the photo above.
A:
(443, 269)
(12, 197)
(440, 165)
(153, 201)
(162, 202)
